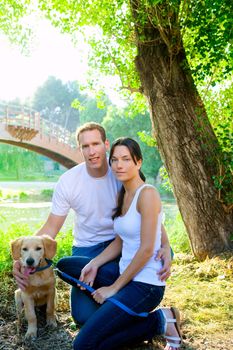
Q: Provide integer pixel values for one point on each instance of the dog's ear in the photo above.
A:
(50, 246)
(16, 247)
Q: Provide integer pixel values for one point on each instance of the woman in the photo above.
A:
(137, 222)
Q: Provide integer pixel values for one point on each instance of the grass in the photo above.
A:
(201, 290)
(18, 195)
(64, 241)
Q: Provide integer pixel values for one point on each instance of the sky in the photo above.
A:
(53, 54)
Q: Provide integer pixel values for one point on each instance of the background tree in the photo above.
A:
(152, 34)
(12, 14)
(91, 109)
(54, 102)
(164, 49)
(64, 104)
(17, 163)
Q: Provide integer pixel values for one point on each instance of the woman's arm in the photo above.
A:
(149, 206)
(112, 251)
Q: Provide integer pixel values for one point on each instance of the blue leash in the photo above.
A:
(38, 269)
(91, 290)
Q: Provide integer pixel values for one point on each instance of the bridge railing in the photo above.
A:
(27, 118)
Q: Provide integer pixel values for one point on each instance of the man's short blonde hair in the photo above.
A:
(91, 126)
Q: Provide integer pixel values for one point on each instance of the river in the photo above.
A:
(34, 214)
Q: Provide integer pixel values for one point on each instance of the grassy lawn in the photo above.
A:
(201, 290)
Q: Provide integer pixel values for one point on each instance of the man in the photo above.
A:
(90, 189)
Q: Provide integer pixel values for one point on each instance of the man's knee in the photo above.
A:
(82, 305)
(61, 264)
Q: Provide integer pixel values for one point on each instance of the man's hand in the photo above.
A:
(21, 279)
(164, 254)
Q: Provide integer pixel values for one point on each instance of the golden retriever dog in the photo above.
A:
(34, 253)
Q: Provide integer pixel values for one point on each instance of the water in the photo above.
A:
(26, 186)
(34, 214)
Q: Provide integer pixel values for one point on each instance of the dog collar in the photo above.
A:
(49, 263)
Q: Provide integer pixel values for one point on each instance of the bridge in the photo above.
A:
(22, 127)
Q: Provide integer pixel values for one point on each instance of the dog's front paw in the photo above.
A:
(31, 334)
(51, 321)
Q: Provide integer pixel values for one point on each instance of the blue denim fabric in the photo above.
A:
(82, 305)
(109, 327)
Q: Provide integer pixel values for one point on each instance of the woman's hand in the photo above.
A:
(88, 274)
(103, 293)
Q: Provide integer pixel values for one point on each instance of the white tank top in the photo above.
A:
(128, 227)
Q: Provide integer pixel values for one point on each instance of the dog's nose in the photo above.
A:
(30, 261)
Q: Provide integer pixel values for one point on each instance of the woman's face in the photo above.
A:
(123, 166)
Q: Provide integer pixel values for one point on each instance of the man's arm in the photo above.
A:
(51, 227)
(164, 254)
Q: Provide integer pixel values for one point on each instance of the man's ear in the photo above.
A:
(107, 144)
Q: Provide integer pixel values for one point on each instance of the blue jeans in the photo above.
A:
(109, 327)
(82, 305)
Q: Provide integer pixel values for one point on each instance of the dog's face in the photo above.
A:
(31, 250)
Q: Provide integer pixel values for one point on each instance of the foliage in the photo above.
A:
(64, 104)
(14, 231)
(91, 110)
(175, 45)
(203, 27)
(47, 194)
(109, 29)
(206, 31)
(23, 196)
(16, 222)
(177, 235)
(166, 184)
(207, 28)
(18, 163)
(53, 100)
(13, 24)
(219, 105)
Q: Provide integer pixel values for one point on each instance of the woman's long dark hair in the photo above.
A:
(136, 154)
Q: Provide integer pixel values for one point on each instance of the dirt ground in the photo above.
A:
(61, 337)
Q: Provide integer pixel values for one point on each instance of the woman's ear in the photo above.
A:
(139, 164)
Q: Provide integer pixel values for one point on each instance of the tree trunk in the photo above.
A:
(185, 140)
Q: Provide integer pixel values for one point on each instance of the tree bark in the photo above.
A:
(185, 139)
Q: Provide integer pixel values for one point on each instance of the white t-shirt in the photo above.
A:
(92, 199)
(128, 227)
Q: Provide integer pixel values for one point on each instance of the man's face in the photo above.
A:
(93, 149)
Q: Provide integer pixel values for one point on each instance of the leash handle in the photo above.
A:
(91, 290)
